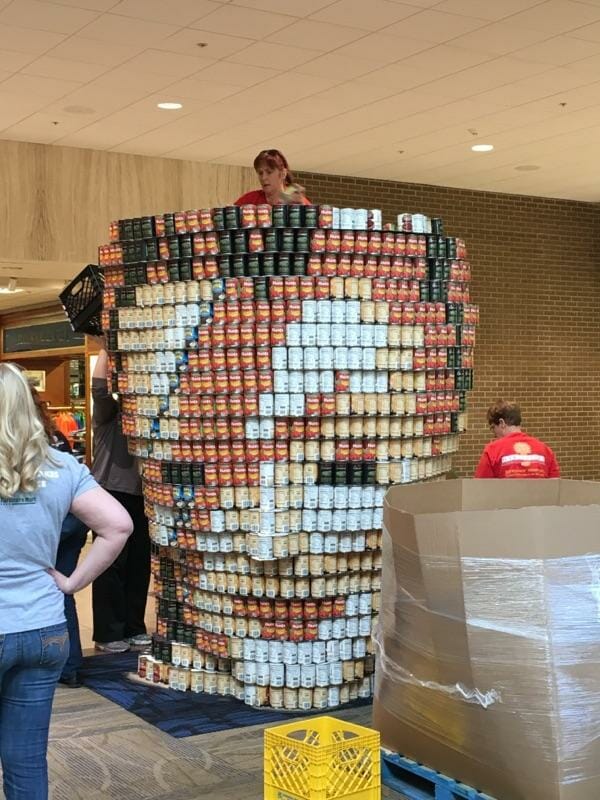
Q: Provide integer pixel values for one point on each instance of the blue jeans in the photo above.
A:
(30, 666)
(72, 539)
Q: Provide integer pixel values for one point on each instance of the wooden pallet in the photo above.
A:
(416, 782)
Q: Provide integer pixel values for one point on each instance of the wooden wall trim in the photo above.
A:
(57, 202)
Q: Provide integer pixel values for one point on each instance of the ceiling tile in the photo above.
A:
(559, 50)
(170, 65)
(556, 16)
(275, 55)
(380, 13)
(397, 76)
(11, 61)
(125, 30)
(589, 66)
(185, 12)
(44, 88)
(590, 33)
(486, 10)
(436, 26)
(196, 88)
(101, 99)
(79, 48)
(92, 5)
(218, 46)
(290, 7)
(41, 127)
(46, 16)
(537, 86)
(337, 66)
(201, 151)
(417, 3)
(131, 78)
(500, 38)
(382, 49)
(498, 72)
(445, 59)
(248, 22)
(62, 68)
(15, 107)
(235, 74)
(316, 35)
(25, 40)
(173, 135)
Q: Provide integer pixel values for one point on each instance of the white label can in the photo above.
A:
(277, 675)
(292, 676)
(333, 650)
(322, 675)
(346, 219)
(305, 653)
(261, 652)
(309, 311)
(290, 653)
(250, 672)
(325, 358)
(319, 652)
(293, 335)
(262, 674)
(333, 696)
(276, 652)
(308, 676)
(325, 630)
(336, 677)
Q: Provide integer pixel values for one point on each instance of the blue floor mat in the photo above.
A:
(179, 714)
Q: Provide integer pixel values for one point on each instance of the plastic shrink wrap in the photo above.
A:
(489, 635)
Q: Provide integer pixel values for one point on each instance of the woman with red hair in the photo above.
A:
(276, 180)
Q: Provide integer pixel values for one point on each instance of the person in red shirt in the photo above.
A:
(276, 180)
(513, 453)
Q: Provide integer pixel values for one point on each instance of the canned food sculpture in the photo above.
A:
(278, 368)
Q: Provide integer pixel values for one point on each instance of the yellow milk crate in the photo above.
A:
(322, 758)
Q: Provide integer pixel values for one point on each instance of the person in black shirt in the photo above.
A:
(119, 595)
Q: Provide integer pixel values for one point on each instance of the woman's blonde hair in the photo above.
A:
(23, 441)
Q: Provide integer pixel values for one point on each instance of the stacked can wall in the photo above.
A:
(278, 369)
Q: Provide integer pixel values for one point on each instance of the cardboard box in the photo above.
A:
(489, 636)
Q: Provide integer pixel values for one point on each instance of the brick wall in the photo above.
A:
(536, 278)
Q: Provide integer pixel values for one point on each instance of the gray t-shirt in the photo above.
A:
(113, 467)
(29, 533)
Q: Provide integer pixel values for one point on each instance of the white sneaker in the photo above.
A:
(141, 640)
(113, 647)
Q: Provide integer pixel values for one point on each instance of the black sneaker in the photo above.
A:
(71, 681)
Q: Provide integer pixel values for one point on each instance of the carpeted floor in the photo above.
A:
(179, 714)
(99, 751)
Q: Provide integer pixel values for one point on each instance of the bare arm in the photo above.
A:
(105, 406)
(101, 366)
(112, 525)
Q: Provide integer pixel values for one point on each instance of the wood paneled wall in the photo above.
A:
(56, 202)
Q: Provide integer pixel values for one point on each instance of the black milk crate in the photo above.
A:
(415, 781)
(82, 300)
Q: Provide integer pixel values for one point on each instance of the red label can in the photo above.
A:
(313, 266)
(262, 336)
(264, 217)
(250, 380)
(248, 216)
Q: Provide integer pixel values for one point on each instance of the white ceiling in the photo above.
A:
(381, 89)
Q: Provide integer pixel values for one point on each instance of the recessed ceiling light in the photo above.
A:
(482, 148)
(170, 106)
(527, 167)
